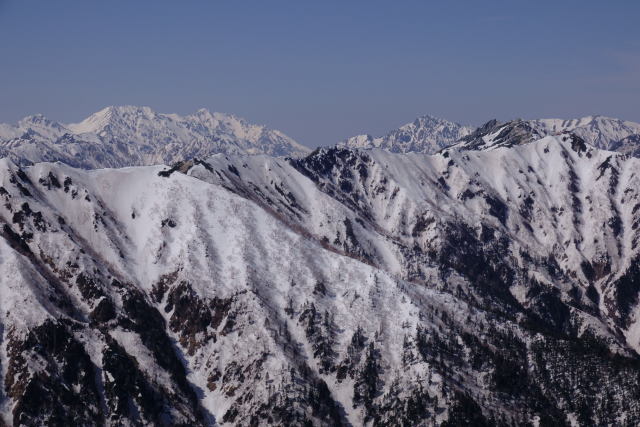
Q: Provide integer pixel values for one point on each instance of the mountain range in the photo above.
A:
(120, 136)
(135, 136)
(494, 282)
(429, 134)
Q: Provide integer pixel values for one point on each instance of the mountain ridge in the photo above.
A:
(120, 136)
(428, 134)
(349, 287)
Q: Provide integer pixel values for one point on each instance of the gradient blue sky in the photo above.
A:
(322, 70)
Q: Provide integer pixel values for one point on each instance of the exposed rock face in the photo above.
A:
(492, 283)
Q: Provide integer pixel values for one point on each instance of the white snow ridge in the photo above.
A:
(488, 278)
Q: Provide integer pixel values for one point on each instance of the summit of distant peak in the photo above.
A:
(38, 120)
(425, 134)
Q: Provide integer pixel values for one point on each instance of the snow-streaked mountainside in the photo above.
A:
(491, 283)
(425, 134)
(429, 134)
(135, 136)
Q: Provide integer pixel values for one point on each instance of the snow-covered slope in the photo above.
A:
(129, 136)
(425, 134)
(599, 131)
(479, 286)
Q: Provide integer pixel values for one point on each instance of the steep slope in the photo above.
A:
(107, 248)
(425, 134)
(130, 136)
(546, 197)
(555, 219)
(556, 197)
(484, 286)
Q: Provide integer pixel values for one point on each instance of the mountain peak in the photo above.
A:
(427, 118)
(39, 120)
(108, 115)
(426, 134)
(205, 112)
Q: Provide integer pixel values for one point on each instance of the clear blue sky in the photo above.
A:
(322, 70)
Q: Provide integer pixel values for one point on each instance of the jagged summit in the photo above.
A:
(426, 134)
(119, 136)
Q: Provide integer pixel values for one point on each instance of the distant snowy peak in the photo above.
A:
(36, 126)
(116, 116)
(140, 124)
(425, 134)
(120, 136)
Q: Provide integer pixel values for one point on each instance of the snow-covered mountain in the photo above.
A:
(425, 134)
(602, 132)
(429, 135)
(492, 283)
(134, 136)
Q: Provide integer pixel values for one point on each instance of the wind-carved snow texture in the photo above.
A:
(135, 136)
(488, 284)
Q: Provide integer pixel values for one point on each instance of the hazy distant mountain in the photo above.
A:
(128, 136)
(425, 134)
